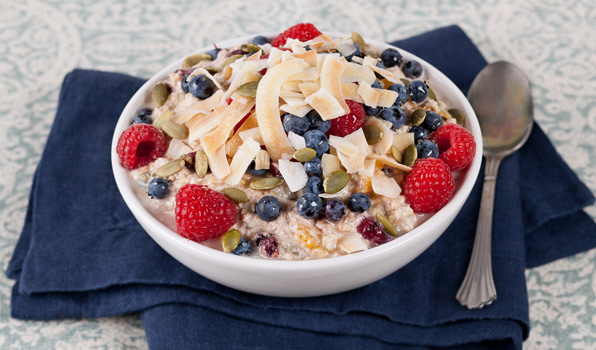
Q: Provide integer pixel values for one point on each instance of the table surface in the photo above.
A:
(553, 41)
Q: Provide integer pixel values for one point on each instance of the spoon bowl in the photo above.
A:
(502, 99)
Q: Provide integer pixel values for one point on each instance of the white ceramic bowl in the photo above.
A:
(312, 277)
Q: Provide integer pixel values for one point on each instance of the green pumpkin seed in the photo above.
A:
(201, 163)
(170, 168)
(174, 130)
(396, 154)
(410, 155)
(248, 48)
(458, 115)
(336, 181)
(387, 225)
(160, 94)
(248, 89)
(359, 41)
(418, 117)
(212, 70)
(144, 178)
(230, 60)
(431, 94)
(266, 183)
(372, 133)
(305, 154)
(164, 117)
(191, 60)
(236, 195)
(230, 240)
(406, 82)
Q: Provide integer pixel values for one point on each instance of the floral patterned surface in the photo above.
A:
(553, 41)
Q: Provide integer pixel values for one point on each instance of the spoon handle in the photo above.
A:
(478, 289)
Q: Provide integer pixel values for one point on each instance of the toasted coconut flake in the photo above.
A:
(245, 74)
(293, 173)
(350, 92)
(390, 162)
(402, 141)
(199, 107)
(309, 74)
(272, 130)
(369, 95)
(290, 94)
(387, 74)
(325, 104)
(309, 57)
(294, 102)
(253, 133)
(385, 186)
(201, 124)
(291, 85)
(353, 164)
(352, 243)
(354, 72)
(358, 139)
(274, 56)
(331, 72)
(308, 89)
(330, 163)
(297, 141)
(218, 163)
(297, 49)
(262, 160)
(242, 159)
(386, 142)
(343, 145)
(386, 97)
(239, 107)
(177, 148)
(234, 143)
(300, 111)
(369, 168)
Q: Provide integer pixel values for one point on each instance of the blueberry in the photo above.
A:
(184, 84)
(315, 122)
(412, 69)
(201, 87)
(260, 40)
(144, 116)
(372, 110)
(427, 149)
(377, 85)
(395, 115)
(313, 185)
(268, 208)
(251, 169)
(309, 205)
(158, 188)
(243, 248)
(314, 167)
(418, 90)
(213, 53)
(295, 124)
(317, 140)
(420, 133)
(335, 209)
(359, 202)
(402, 93)
(432, 121)
(391, 57)
(382, 66)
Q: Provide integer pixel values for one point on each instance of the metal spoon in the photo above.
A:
(502, 100)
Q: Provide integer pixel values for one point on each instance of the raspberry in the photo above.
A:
(429, 186)
(301, 31)
(202, 213)
(456, 145)
(140, 144)
(372, 231)
(347, 124)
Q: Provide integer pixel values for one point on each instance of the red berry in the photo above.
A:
(202, 213)
(267, 244)
(456, 145)
(429, 186)
(372, 231)
(140, 144)
(347, 124)
(301, 31)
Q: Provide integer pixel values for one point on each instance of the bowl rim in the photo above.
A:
(323, 265)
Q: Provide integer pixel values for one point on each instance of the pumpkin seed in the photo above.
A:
(458, 115)
(336, 181)
(359, 41)
(174, 130)
(387, 225)
(248, 89)
(248, 48)
(201, 163)
(212, 70)
(372, 133)
(431, 94)
(406, 82)
(305, 154)
(170, 168)
(266, 183)
(160, 94)
(230, 240)
(164, 117)
(230, 60)
(410, 155)
(144, 178)
(418, 117)
(191, 60)
(396, 154)
(236, 195)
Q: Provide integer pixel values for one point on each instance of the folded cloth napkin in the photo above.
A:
(82, 254)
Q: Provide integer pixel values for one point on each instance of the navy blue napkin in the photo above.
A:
(82, 254)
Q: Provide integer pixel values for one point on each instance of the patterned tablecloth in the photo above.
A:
(553, 41)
